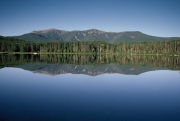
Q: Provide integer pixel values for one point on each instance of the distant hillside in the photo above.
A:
(90, 35)
(10, 39)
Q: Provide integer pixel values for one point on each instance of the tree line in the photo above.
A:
(97, 47)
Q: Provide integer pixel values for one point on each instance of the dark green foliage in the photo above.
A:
(9, 44)
(170, 47)
(96, 47)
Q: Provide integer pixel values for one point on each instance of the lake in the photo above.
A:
(89, 88)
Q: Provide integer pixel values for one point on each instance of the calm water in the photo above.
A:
(150, 96)
(52, 92)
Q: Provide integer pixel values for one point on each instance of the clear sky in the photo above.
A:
(153, 17)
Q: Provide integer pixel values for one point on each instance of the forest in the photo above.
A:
(11, 45)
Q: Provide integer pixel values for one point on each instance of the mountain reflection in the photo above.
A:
(93, 65)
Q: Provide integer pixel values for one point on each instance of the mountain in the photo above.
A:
(90, 35)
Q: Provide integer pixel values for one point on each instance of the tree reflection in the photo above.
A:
(168, 62)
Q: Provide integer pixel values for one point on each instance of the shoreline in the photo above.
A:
(127, 54)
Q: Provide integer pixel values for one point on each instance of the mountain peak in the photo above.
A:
(44, 31)
(95, 31)
(90, 35)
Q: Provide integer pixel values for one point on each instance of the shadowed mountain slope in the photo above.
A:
(90, 35)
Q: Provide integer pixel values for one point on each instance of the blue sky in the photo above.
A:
(153, 17)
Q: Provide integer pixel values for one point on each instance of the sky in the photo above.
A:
(152, 17)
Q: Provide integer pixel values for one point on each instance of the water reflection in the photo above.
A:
(89, 64)
(149, 96)
(113, 92)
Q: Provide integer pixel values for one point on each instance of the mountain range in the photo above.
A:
(90, 35)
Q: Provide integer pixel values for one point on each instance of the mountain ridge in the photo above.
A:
(53, 34)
